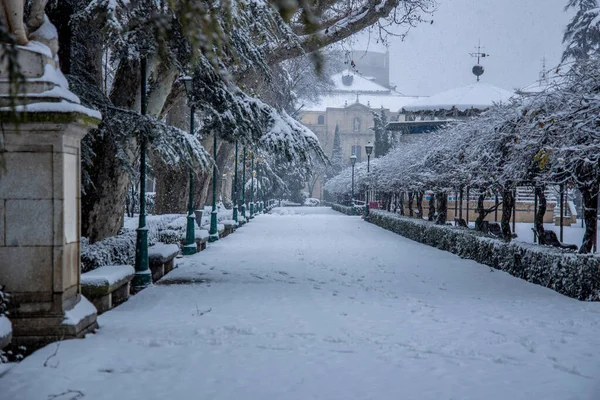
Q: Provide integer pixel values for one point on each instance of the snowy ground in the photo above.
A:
(312, 304)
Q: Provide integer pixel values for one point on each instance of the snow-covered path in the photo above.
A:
(324, 306)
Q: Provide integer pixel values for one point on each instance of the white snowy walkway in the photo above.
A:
(325, 306)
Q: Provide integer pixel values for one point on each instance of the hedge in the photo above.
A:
(574, 275)
(348, 210)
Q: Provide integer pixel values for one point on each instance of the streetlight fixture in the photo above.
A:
(353, 161)
(213, 234)
(190, 232)
(369, 150)
(143, 276)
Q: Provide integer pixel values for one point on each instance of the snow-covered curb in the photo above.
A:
(571, 274)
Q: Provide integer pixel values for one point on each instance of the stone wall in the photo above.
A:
(574, 275)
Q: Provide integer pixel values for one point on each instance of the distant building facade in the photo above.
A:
(350, 107)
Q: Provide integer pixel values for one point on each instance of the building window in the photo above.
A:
(321, 120)
(356, 124)
(356, 150)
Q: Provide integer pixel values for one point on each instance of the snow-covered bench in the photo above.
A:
(108, 286)
(229, 226)
(161, 259)
(201, 239)
(220, 228)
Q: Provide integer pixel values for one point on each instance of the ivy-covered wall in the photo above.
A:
(574, 275)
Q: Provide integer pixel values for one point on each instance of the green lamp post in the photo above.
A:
(353, 161)
(235, 173)
(252, 174)
(190, 232)
(258, 188)
(143, 276)
(213, 233)
(368, 150)
(244, 186)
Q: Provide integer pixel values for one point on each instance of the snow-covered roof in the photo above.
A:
(350, 81)
(392, 102)
(477, 95)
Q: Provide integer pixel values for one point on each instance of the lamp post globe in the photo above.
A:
(369, 151)
(190, 232)
(353, 161)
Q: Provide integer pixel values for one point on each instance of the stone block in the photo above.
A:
(121, 294)
(102, 303)
(157, 270)
(32, 65)
(29, 223)
(65, 258)
(30, 176)
(26, 269)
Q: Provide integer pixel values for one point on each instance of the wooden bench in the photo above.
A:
(549, 238)
(161, 258)
(107, 287)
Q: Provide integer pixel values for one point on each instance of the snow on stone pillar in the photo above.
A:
(40, 196)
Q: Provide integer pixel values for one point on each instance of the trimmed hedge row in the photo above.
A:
(348, 210)
(574, 275)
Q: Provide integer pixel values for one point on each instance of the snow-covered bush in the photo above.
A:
(348, 210)
(571, 274)
(120, 249)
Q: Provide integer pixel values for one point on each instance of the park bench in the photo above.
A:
(229, 226)
(549, 238)
(201, 239)
(107, 287)
(161, 259)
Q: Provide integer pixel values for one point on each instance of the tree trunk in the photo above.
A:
(420, 203)
(508, 202)
(442, 199)
(590, 215)
(401, 203)
(481, 212)
(172, 182)
(411, 196)
(538, 221)
(431, 215)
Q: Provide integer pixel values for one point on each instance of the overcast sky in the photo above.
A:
(516, 33)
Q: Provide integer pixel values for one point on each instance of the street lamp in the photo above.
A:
(252, 174)
(369, 150)
(235, 200)
(353, 161)
(213, 233)
(190, 232)
(143, 276)
(244, 186)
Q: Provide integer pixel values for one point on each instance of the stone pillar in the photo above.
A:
(40, 202)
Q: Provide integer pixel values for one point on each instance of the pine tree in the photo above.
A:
(383, 139)
(582, 35)
(337, 154)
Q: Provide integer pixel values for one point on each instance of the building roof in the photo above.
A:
(393, 102)
(477, 95)
(350, 81)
